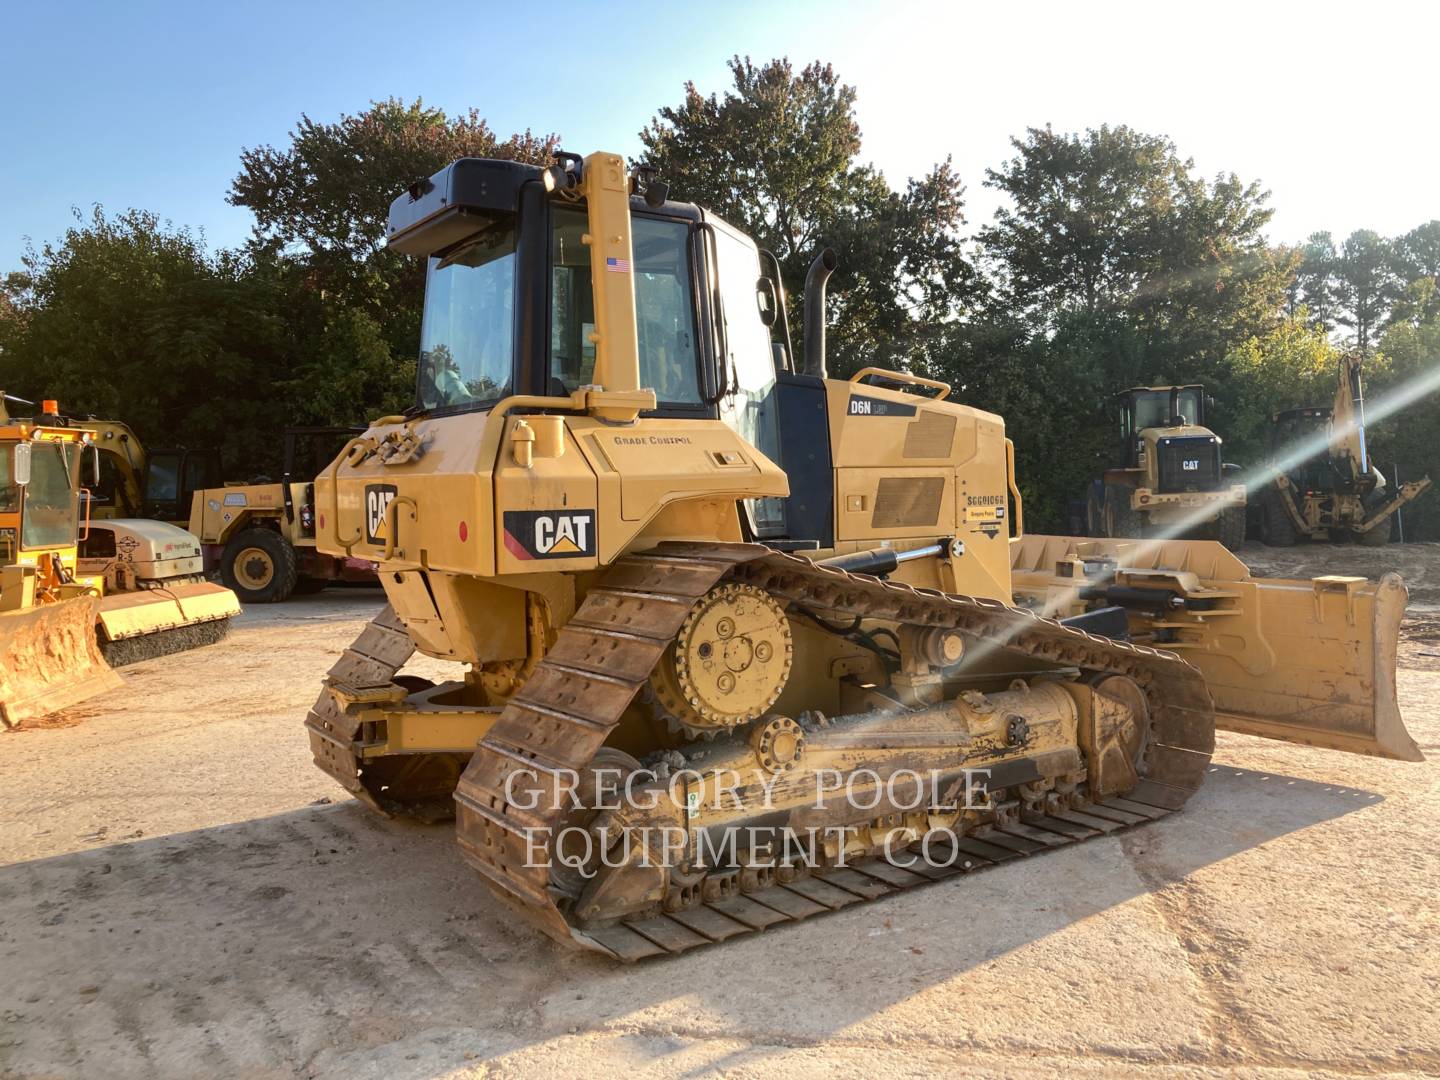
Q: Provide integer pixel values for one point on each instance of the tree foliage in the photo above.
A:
(777, 156)
(1112, 262)
(322, 200)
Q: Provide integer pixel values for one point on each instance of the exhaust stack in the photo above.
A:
(820, 271)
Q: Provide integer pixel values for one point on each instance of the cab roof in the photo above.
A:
(439, 211)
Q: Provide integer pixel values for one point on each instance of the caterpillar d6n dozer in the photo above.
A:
(75, 599)
(744, 643)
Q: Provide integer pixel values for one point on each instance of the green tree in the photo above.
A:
(1410, 437)
(1314, 286)
(776, 156)
(129, 317)
(1366, 283)
(322, 201)
(1417, 263)
(1293, 365)
(1114, 222)
(1418, 252)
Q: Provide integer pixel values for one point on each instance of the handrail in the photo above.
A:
(904, 377)
(88, 499)
(334, 474)
(575, 402)
(1014, 489)
(385, 522)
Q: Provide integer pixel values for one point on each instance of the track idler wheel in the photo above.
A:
(728, 664)
(416, 786)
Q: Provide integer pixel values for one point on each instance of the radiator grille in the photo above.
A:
(930, 435)
(1189, 463)
(907, 500)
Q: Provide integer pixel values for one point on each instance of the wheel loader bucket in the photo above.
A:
(50, 660)
(1309, 662)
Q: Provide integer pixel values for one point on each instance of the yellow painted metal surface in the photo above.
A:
(50, 659)
(147, 611)
(1310, 662)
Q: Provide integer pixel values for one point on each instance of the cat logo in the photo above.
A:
(1190, 464)
(377, 501)
(550, 534)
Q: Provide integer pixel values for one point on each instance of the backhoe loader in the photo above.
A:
(739, 643)
(1326, 487)
(78, 596)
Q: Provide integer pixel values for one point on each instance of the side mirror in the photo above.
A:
(21, 463)
(766, 301)
(94, 465)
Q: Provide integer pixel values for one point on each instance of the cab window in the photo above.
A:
(162, 484)
(467, 332)
(9, 490)
(748, 373)
(48, 515)
(664, 313)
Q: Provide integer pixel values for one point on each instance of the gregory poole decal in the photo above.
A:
(377, 501)
(550, 534)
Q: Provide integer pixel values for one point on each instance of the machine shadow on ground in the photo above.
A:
(328, 930)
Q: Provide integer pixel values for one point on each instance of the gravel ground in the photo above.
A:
(182, 893)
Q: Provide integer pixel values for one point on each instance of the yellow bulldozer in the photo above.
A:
(78, 595)
(1325, 486)
(1171, 477)
(738, 643)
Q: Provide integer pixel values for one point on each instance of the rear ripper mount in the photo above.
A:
(561, 716)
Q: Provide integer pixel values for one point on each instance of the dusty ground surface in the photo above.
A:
(183, 894)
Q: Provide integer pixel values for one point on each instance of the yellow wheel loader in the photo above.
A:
(77, 595)
(260, 535)
(1171, 477)
(1325, 485)
(738, 643)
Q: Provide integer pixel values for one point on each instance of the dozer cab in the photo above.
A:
(262, 534)
(738, 643)
(77, 596)
(1325, 485)
(1171, 479)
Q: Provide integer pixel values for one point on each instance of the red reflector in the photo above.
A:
(464, 532)
(322, 521)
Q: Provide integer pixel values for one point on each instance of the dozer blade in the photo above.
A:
(1317, 666)
(50, 660)
(1309, 662)
(139, 625)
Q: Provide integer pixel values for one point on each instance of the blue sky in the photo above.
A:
(148, 104)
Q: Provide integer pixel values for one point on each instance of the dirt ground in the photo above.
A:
(183, 894)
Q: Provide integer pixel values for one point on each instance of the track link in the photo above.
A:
(567, 708)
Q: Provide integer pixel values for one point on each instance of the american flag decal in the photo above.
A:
(618, 266)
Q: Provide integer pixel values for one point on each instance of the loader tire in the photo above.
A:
(1229, 527)
(259, 566)
(309, 586)
(1379, 536)
(1121, 519)
(1276, 528)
